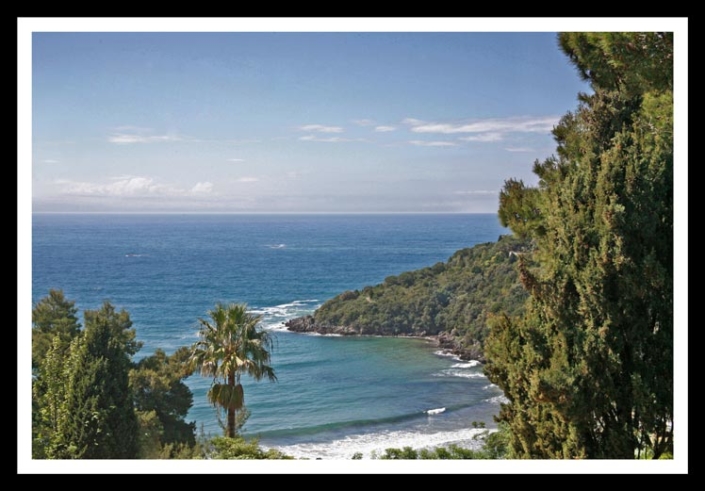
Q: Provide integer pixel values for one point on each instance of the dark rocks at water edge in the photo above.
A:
(454, 345)
(445, 341)
(307, 324)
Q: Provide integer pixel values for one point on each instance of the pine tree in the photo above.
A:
(94, 416)
(54, 325)
(53, 315)
(588, 370)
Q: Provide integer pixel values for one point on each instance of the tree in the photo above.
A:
(159, 392)
(53, 315)
(89, 400)
(232, 343)
(89, 403)
(54, 326)
(518, 208)
(588, 369)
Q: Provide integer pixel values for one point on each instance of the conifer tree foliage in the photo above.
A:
(53, 315)
(54, 325)
(89, 399)
(88, 403)
(588, 369)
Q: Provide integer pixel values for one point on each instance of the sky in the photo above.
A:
(291, 121)
(352, 120)
(320, 115)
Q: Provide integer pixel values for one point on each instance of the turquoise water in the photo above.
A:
(335, 395)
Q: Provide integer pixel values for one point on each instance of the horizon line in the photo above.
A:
(261, 213)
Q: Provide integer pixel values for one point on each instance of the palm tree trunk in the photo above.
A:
(231, 409)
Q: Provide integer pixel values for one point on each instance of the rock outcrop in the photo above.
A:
(307, 324)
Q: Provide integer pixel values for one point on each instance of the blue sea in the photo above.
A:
(335, 396)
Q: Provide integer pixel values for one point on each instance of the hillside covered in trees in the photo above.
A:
(452, 300)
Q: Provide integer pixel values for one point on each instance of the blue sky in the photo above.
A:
(290, 115)
(291, 121)
(352, 120)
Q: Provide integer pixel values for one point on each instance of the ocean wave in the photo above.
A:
(453, 356)
(275, 316)
(498, 399)
(376, 443)
(459, 373)
(446, 354)
(277, 326)
(438, 410)
(469, 364)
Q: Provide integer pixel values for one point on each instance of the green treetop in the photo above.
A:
(588, 370)
(88, 405)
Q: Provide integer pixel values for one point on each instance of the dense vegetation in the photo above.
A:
(90, 400)
(456, 297)
(588, 368)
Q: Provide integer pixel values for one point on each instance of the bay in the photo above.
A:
(335, 396)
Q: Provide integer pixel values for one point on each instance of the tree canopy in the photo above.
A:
(53, 315)
(91, 401)
(87, 404)
(588, 369)
(162, 399)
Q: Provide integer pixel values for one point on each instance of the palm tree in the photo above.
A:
(231, 343)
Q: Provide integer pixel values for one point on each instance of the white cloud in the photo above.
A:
(121, 186)
(433, 143)
(332, 139)
(236, 160)
(50, 161)
(202, 188)
(519, 149)
(321, 129)
(130, 186)
(497, 125)
(483, 137)
(385, 128)
(247, 179)
(127, 138)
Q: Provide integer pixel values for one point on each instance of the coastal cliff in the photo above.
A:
(450, 303)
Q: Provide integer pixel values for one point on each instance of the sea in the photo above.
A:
(334, 396)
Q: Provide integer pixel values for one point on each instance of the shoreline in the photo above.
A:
(445, 341)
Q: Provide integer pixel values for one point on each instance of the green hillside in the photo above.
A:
(452, 300)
